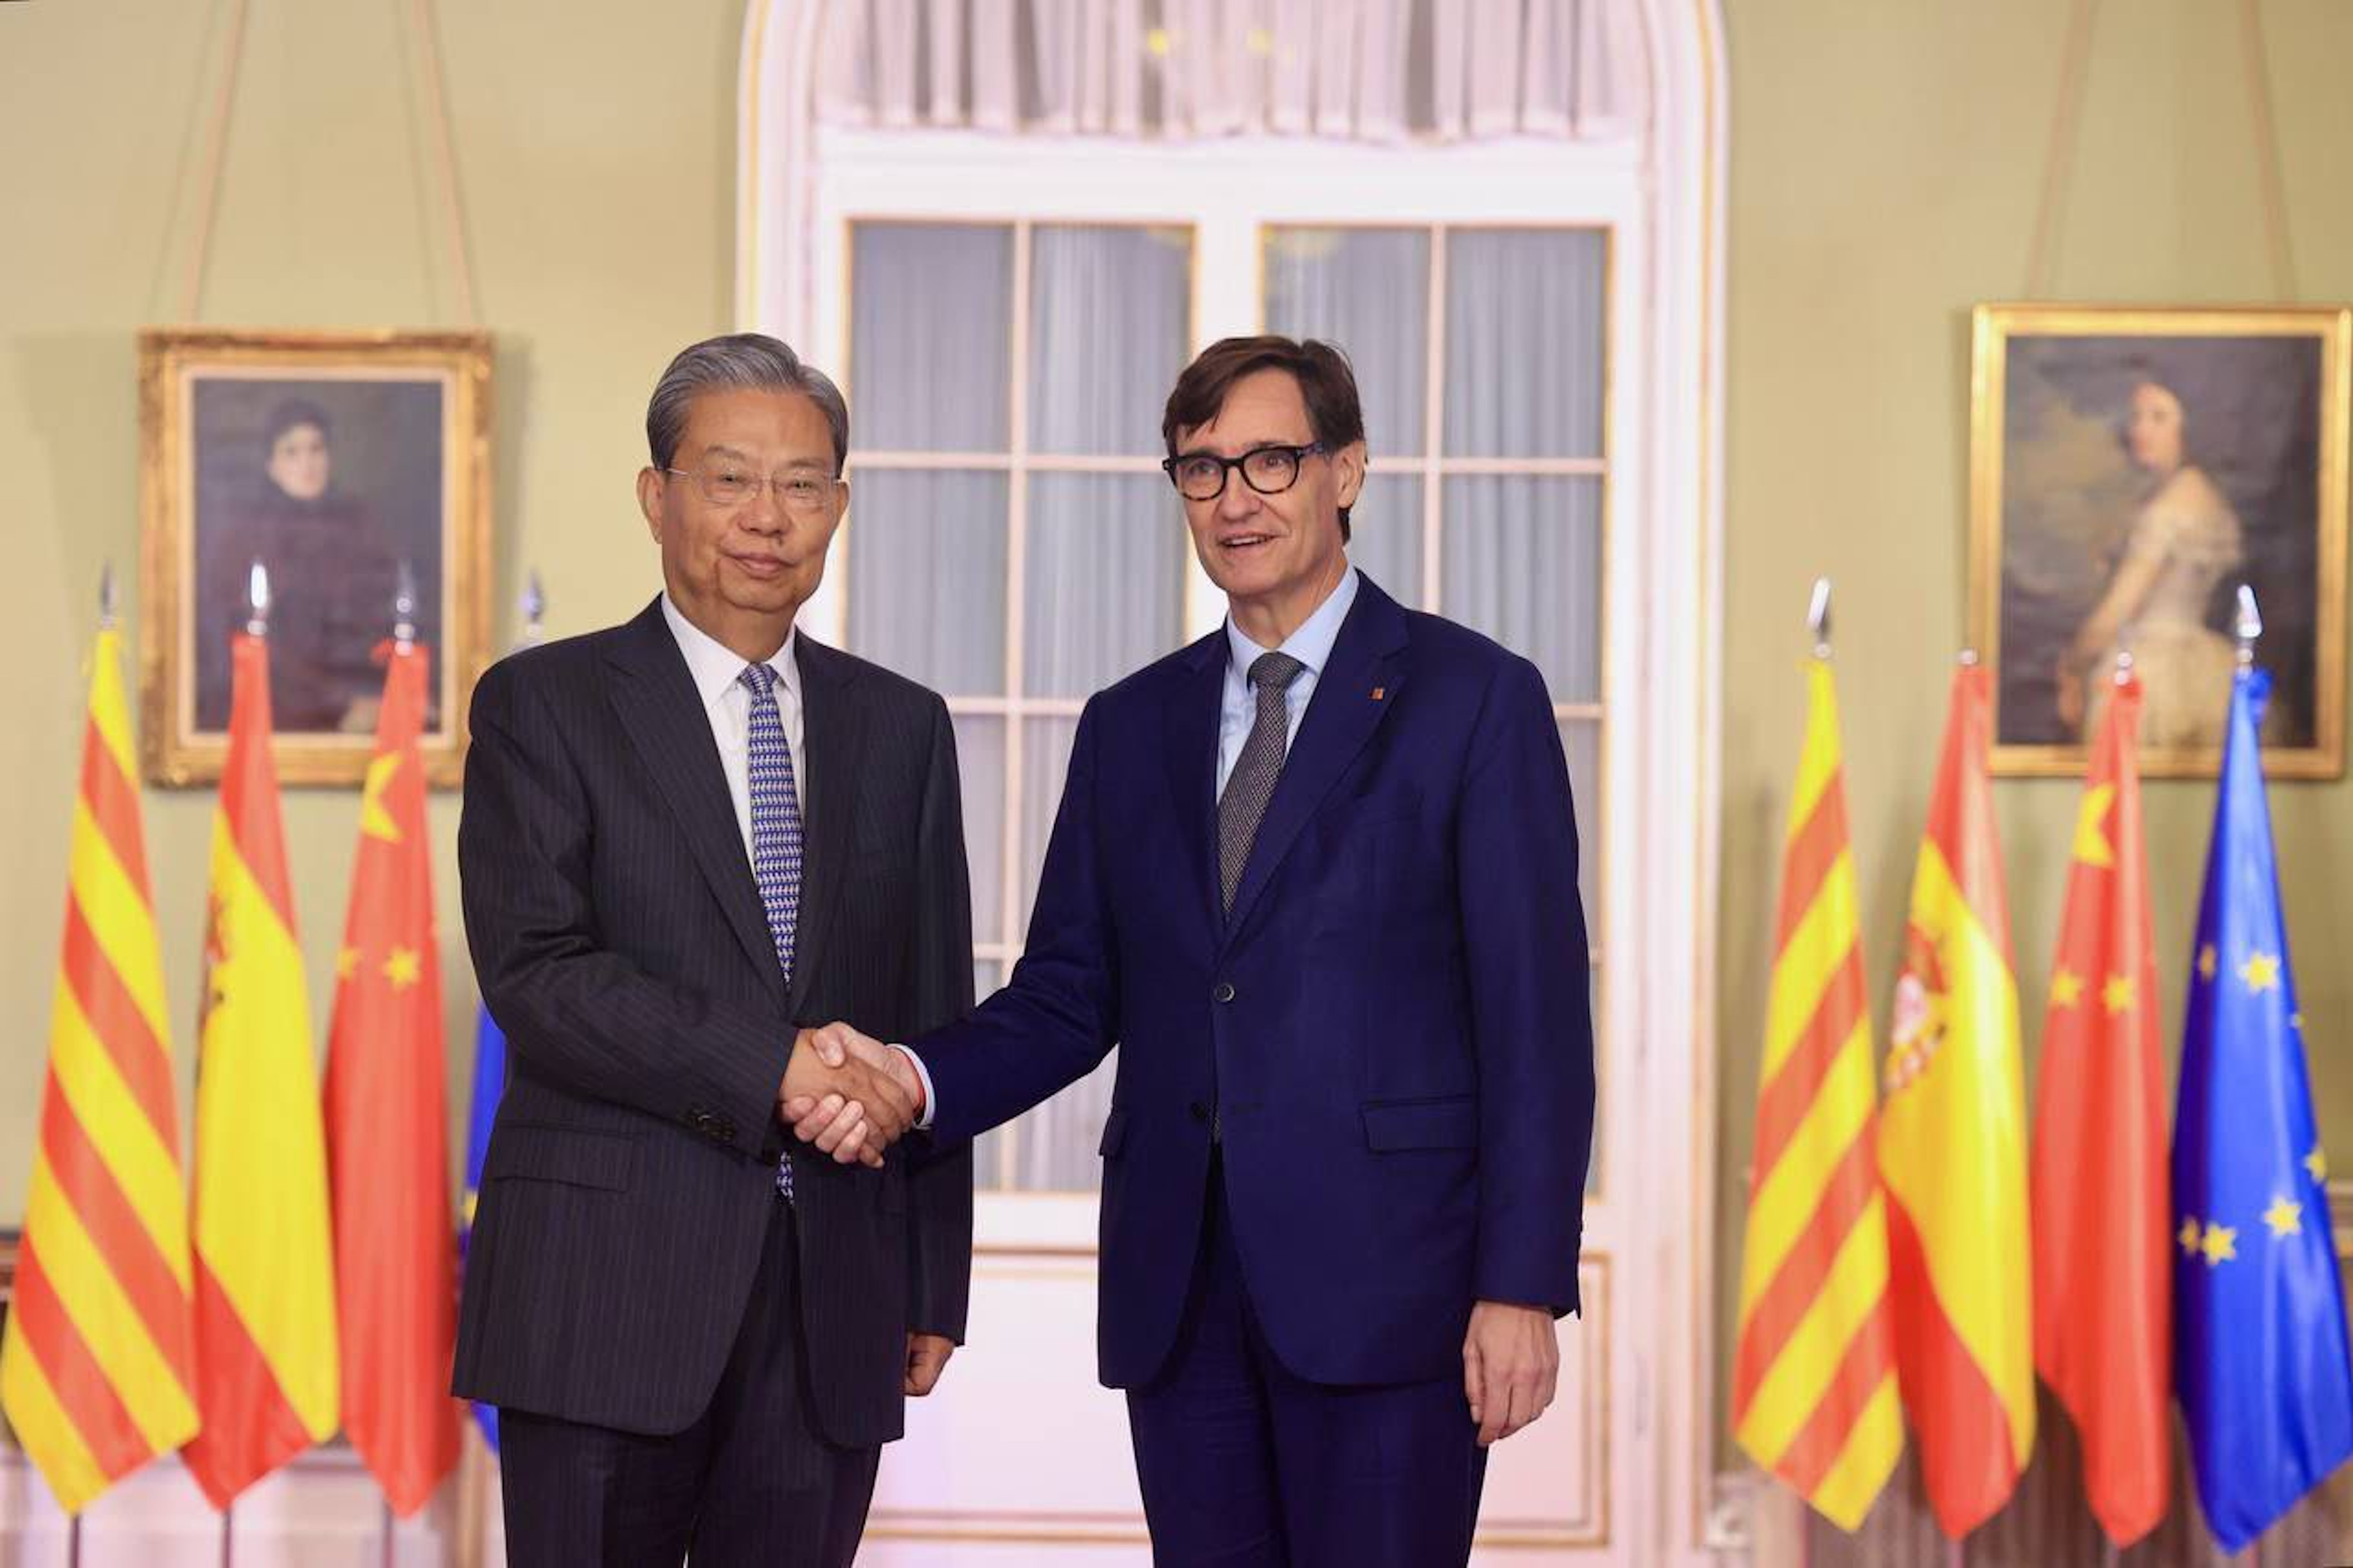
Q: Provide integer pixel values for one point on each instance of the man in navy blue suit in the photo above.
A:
(1315, 876)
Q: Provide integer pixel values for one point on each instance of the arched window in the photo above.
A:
(1006, 224)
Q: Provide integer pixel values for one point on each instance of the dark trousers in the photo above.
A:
(1245, 1465)
(750, 1482)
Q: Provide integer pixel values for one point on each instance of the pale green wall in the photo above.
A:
(595, 144)
(1887, 164)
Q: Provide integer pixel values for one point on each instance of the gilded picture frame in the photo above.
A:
(2129, 469)
(350, 463)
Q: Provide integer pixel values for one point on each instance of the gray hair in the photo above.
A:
(752, 361)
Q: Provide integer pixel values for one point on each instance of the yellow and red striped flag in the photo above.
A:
(1814, 1397)
(265, 1361)
(94, 1368)
(395, 1245)
(1952, 1148)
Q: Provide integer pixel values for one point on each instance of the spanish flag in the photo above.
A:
(387, 1134)
(2103, 1216)
(1814, 1396)
(266, 1362)
(1952, 1148)
(95, 1370)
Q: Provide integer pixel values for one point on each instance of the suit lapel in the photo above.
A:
(1345, 710)
(1194, 707)
(662, 713)
(833, 731)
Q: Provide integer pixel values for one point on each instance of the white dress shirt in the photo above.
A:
(727, 704)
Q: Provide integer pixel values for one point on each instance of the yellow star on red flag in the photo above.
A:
(2066, 988)
(2092, 846)
(2118, 993)
(403, 968)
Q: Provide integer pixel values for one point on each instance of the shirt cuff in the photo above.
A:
(923, 1122)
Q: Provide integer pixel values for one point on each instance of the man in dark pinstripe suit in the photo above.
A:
(683, 836)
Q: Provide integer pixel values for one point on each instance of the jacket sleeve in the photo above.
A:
(939, 1176)
(1530, 979)
(1058, 1018)
(575, 1012)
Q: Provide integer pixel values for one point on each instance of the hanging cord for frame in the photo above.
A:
(2074, 69)
(208, 172)
(2269, 181)
(418, 19)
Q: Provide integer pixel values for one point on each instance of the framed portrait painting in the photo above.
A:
(351, 466)
(2130, 470)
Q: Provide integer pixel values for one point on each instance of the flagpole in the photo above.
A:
(384, 1554)
(73, 1521)
(227, 1550)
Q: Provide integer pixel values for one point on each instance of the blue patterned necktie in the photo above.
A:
(776, 835)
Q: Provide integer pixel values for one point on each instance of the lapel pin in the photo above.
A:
(1379, 693)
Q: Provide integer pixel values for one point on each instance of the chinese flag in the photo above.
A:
(1952, 1149)
(265, 1291)
(2103, 1312)
(395, 1245)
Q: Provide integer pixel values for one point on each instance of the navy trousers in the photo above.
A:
(1245, 1465)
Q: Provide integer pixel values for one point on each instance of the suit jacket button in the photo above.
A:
(1197, 1111)
(1224, 992)
(724, 1130)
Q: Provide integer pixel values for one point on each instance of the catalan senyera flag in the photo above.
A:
(2102, 1274)
(387, 1158)
(1814, 1393)
(95, 1369)
(265, 1313)
(1952, 1148)
(2260, 1358)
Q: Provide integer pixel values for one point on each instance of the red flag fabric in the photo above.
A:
(387, 1161)
(2103, 1306)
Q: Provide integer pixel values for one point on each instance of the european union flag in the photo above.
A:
(2265, 1381)
(490, 1081)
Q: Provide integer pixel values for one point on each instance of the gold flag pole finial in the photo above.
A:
(256, 599)
(2124, 666)
(2250, 626)
(1817, 616)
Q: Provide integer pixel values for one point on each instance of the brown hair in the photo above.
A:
(1326, 382)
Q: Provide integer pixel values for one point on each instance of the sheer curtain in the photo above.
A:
(953, 508)
(1375, 70)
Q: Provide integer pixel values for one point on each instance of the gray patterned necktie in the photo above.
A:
(776, 835)
(1243, 805)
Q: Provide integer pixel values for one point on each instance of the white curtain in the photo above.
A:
(1385, 70)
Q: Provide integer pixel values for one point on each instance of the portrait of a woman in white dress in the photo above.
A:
(2142, 475)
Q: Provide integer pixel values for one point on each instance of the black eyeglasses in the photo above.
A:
(1268, 471)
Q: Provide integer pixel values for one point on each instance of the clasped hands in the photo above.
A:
(849, 1095)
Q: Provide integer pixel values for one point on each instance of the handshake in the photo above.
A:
(849, 1094)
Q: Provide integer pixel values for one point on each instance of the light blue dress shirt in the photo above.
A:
(1310, 645)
